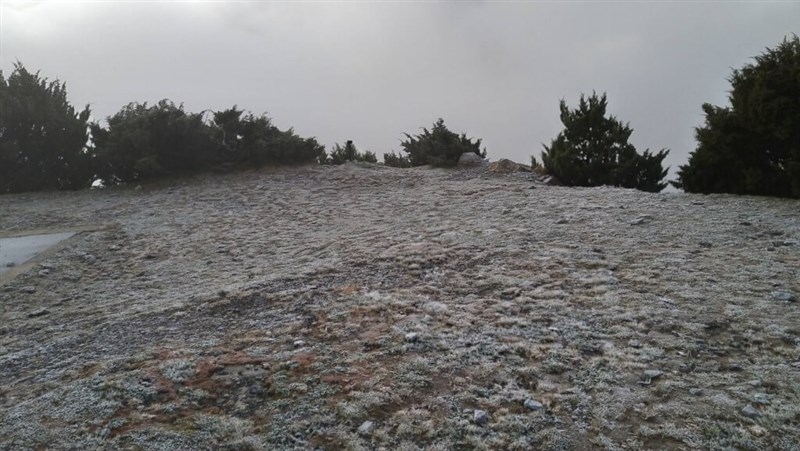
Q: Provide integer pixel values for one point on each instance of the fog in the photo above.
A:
(371, 71)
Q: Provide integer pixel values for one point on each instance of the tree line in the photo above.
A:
(749, 147)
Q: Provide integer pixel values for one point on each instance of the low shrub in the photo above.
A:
(349, 152)
(439, 146)
(396, 161)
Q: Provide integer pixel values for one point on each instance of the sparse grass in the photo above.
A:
(221, 315)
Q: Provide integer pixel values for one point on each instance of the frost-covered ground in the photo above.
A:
(289, 308)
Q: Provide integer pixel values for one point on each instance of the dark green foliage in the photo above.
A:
(253, 141)
(753, 146)
(42, 137)
(534, 164)
(369, 157)
(143, 142)
(43, 140)
(230, 134)
(395, 160)
(439, 146)
(593, 150)
(340, 154)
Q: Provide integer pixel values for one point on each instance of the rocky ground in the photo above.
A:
(364, 307)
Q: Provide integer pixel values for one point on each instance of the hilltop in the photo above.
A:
(366, 307)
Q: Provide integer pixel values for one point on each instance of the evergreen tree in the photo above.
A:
(753, 146)
(230, 133)
(143, 142)
(254, 141)
(439, 146)
(593, 150)
(42, 137)
(349, 152)
(394, 160)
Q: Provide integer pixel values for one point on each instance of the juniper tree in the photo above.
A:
(752, 146)
(42, 136)
(349, 152)
(143, 141)
(593, 150)
(439, 146)
(394, 160)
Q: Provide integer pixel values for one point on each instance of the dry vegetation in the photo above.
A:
(288, 308)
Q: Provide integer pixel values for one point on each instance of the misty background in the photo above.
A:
(368, 72)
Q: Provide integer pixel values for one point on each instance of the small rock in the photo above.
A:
(88, 258)
(412, 337)
(256, 390)
(734, 367)
(299, 343)
(652, 374)
(480, 417)
(562, 221)
(784, 296)
(637, 221)
(761, 398)
(551, 181)
(754, 383)
(533, 405)
(10, 265)
(44, 273)
(40, 312)
(757, 430)
(28, 289)
(750, 411)
(73, 276)
(366, 428)
(434, 308)
(695, 391)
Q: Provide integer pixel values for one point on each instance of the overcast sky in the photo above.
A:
(369, 71)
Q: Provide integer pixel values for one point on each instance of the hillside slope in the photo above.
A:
(288, 308)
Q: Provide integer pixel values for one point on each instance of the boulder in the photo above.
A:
(506, 166)
(470, 159)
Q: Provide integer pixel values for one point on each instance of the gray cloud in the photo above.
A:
(370, 71)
